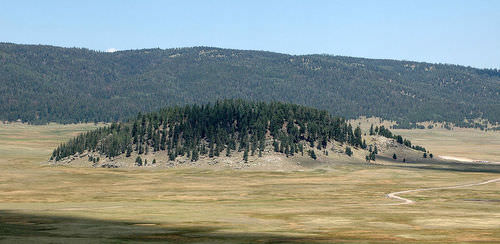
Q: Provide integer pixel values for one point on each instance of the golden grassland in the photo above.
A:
(467, 143)
(347, 203)
(460, 142)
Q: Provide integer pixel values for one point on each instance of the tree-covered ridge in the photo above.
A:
(40, 84)
(217, 129)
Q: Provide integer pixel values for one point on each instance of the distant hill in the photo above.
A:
(40, 84)
(229, 125)
(225, 129)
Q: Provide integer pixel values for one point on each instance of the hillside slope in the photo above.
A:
(235, 130)
(40, 84)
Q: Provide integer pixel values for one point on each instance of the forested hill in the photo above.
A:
(219, 129)
(40, 84)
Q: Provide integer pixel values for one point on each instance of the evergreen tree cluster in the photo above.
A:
(385, 132)
(216, 130)
(41, 84)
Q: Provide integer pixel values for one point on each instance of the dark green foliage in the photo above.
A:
(348, 151)
(403, 124)
(208, 129)
(425, 155)
(245, 155)
(394, 156)
(407, 142)
(370, 157)
(45, 83)
(419, 148)
(399, 139)
(195, 155)
(129, 151)
(387, 133)
(357, 140)
(312, 154)
(138, 161)
(384, 132)
(172, 156)
(431, 155)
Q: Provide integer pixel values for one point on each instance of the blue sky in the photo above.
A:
(457, 32)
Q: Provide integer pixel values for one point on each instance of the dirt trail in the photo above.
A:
(394, 195)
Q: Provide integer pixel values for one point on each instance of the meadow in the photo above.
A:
(463, 143)
(344, 203)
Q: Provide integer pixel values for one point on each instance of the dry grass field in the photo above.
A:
(462, 143)
(346, 203)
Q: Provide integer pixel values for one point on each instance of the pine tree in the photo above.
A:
(357, 140)
(211, 152)
(171, 156)
(141, 150)
(262, 146)
(399, 139)
(348, 151)
(245, 155)
(138, 161)
(195, 155)
(312, 154)
(129, 151)
(394, 156)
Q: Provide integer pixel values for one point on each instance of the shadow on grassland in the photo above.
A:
(28, 228)
(445, 165)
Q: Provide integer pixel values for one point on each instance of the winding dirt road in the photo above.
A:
(394, 195)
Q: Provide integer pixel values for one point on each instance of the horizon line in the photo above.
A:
(114, 50)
